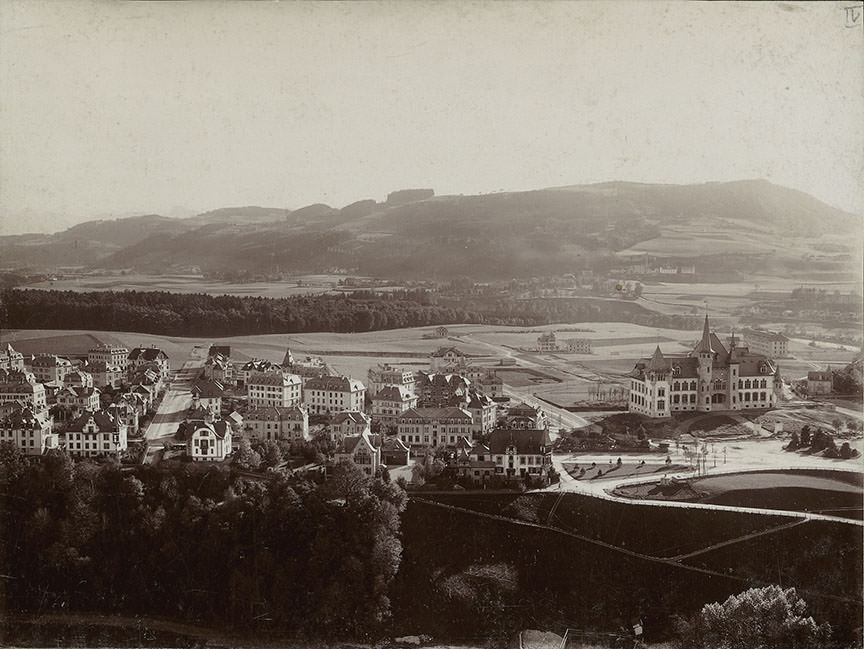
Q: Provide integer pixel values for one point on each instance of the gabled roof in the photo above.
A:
(393, 393)
(527, 442)
(436, 413)
(275, 413)
(350, 442)
(825, 375)
(147, 354)
(105, 423)
(219, 428)
(394, 444)
(353, 416)
(335, 384)
(278, 379)
(443, 351)
(24, 418)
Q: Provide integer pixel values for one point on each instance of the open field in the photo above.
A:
(301, 285)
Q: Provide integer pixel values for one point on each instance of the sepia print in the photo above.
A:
(434, 324)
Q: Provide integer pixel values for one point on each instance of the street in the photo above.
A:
(175, 403)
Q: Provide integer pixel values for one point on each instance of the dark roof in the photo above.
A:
(105, 423)
(825, 375)
(273, 378)
(208, 389)
(24, 418)
(392, 393)
(274, 413)
(442, 351)
(334, 384)
(704, 344)
(353, 415)
(527, 442)
(220, 427)
(436, 413)
(223, 350)
(147, 354)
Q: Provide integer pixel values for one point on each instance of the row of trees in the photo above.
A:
(161, 312)
(200, 545)
(819, 440)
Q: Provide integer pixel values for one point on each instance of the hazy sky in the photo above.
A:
(113, 108)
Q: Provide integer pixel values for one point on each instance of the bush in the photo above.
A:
(768, 618)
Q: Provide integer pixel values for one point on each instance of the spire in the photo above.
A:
(658, 361)
(705, 342)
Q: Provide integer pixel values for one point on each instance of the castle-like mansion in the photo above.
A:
(708, 378)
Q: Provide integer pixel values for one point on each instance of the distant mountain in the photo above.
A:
(494, 236)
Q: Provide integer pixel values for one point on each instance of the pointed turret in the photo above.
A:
(658, 361)
(704, 346)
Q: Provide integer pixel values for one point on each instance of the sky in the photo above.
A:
(110, 109)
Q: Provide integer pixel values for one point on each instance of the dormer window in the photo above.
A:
(676, 370)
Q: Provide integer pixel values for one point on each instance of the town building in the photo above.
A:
(25, 393)
(434, 427)
(105, 375)
(709, 378)
(381, 376)
(274, 389)
(255, 366)
(394, 452)
(146, 355)
(578, 345)
(474, 462)
(208, 441)
(441, 390)
(820, 382)
(306, 368)
(72, 401)
(78, 379)
(218, 368)
(94, 433)
(207, 395)
(390, 402)
(49, 368)
(521, 452)
(484, 413)
(30, 431)
(361, 451)
(523, 416)
(547, 342)
(447, 360)
(331, 394)
(111, 355)
(10, 359)
(277, 423)
(127, 413)
(351, 422)
(767, 343)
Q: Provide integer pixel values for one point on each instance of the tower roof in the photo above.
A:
(705, 342)
(658, 361)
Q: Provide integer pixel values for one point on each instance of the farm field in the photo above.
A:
(301, 285)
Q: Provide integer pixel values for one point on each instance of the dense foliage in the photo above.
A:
(767, 618)
(200, 545)
(161, 312)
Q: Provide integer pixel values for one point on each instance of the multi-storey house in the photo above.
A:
(484, 413)
(274, 389)
(111, 355)
(349, 422)
(434, 427)
(520, 452)
(10, 359)
(30, 431)
(361, 451)
(441, 390)
(208, 441)
(331, 394)
(547, 342)
(447, 360)
(71, 401)
(149, 355)
(49, 368)
(390, 402)
(26, 393)
(820, 382)
(207, 395)
(277, 423)
(525, 417)
(94, 433)
(382, 376)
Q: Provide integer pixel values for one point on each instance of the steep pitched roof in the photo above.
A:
(392, 393)
(443, 351)
(527, 442)
(335, 384)
(436, 413)
(105, 423)
(704, 344)
(354, 416)
(147, 354)
(208, 389)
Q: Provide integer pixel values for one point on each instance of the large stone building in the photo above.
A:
(434, 427)
(141, 356)
(10, 359)
(278, 423)
(274, 389)
(30, 431)
(331, 394)
(382, 376)
(767, 343)
(820, 382)
(111, 355)
(49, 368)
(707, 379)
(95, 433)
